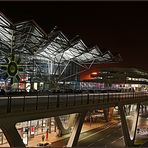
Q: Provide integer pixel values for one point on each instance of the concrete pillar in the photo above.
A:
(72, 120)
(12, 135)
(49, 125)
(61, 127)
(145, 108)
(73, 140)
(111, 110)
(127, 140)
(129, 109)
(134, 124)
(106, 114)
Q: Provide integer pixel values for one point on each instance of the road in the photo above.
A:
(110, 135)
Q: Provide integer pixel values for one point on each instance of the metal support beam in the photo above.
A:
(61, 127)
(73, 140)
(135, 122)
(127, 140)
(12, 135)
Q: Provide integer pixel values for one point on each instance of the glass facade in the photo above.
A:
(32, 60)
(29, 55)
(30, 129)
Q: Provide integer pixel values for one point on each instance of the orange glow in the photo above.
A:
(94, 73)
(86, 75)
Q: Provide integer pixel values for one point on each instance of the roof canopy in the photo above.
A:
(28, 38)
(29, 46)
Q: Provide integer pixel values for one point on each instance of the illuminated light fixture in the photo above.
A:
(94, 74)
(12, 68)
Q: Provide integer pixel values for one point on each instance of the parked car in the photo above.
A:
(44, 144)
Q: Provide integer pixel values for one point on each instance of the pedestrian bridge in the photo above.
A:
(14, 109)
(60, 104)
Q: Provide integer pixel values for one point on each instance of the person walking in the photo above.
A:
(43, 138)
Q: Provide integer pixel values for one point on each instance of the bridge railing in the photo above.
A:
(12, 104)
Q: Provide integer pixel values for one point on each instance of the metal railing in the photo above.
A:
(12, 104)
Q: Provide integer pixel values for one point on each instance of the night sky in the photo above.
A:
(121, 27)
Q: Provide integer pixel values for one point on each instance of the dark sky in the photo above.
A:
(121, 27)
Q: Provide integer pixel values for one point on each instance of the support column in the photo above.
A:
(72, 120)
(128, 141)
(70, 124)
(60, 126)
(12, 135)
(129, 109)
(135, 122)
(49, 125)
(111, 110)
(106, 114)
(73, 140)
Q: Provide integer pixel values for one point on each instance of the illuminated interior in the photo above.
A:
(25, 49)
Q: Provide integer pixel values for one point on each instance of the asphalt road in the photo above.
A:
(108, 136)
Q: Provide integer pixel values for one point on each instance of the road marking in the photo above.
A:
(100, 139)
(96, 133)
(90, 144)
(117, 139)
(108, 135)
(95, 142)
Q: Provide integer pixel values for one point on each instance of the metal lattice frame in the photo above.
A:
(34, 50)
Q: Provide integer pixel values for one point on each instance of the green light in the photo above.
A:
(12, 68)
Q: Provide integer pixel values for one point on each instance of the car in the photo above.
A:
(44, 144)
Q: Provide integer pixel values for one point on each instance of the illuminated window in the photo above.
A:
(94, 74)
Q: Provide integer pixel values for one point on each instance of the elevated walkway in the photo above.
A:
(22, 108)
(14, 109)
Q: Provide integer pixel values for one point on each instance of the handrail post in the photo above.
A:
(108, 97)
(37, 102)
(24, 103)
(88, 98)
(119, 97)
(129, 95)
(67, 100)
(58, 100)
(81, 98)
(74, 103)
(48, 102)
(133, 95)
(93, 98)
(9, 104)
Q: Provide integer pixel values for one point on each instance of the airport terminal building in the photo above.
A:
(32, 59)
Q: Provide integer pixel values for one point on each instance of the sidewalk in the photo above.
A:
(52, 137)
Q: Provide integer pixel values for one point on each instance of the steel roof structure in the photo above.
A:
(26, 47)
